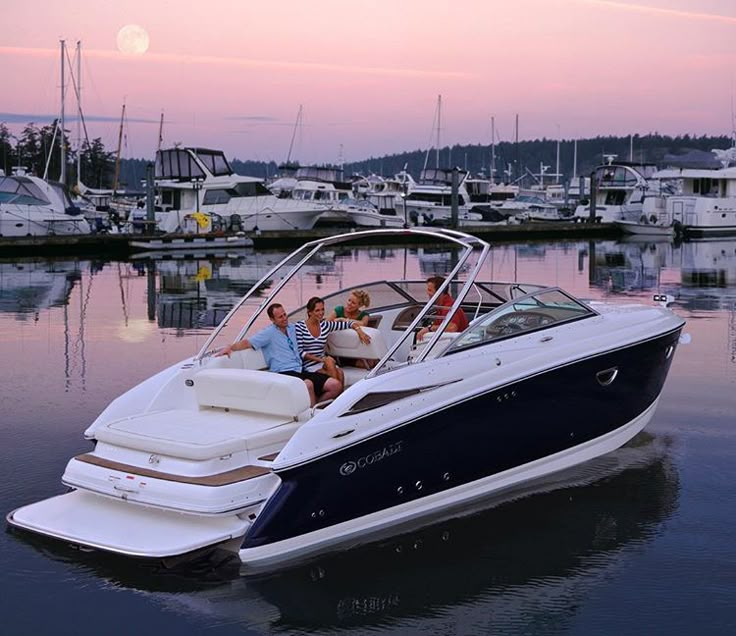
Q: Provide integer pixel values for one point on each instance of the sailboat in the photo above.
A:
(35, 206)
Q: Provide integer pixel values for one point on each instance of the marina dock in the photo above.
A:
(119, 245)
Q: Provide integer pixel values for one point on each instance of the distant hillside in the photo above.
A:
(519, 159)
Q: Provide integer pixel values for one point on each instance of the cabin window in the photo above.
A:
(214, 197)
(249, 189)
(215, 162)
(177, 164)
(615, 197)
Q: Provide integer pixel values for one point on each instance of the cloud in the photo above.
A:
(675, 13)
(255, 118)
(26, 118)
(239, 62)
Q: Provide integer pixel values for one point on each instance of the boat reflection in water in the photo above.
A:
(197, 290)
(697, 269)
(29, 287)
(493, 560)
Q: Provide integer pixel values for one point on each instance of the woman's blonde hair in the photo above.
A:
(364, 300)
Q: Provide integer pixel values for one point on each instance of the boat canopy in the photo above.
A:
(187, 164)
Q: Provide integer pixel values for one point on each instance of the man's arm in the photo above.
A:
(235, 346)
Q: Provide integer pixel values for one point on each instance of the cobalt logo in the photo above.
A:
(349, 467)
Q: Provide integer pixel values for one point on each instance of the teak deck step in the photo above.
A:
(220, 479)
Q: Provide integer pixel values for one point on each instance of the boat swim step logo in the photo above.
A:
(349, 467)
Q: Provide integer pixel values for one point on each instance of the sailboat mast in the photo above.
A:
(79, 114)
(493, 150)
(516, 144)
(439, 126)
(297, 126)
(62, 172)
(117, 157)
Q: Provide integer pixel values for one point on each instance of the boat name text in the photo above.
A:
(349, 467)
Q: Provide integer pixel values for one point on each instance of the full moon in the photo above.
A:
(132, 40)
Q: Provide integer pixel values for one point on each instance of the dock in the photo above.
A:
(119, 245)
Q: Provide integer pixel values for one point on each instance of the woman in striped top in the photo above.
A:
(311, 336)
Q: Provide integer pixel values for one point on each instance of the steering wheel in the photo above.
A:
(509, 328)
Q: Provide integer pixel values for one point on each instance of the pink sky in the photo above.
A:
(231, 74)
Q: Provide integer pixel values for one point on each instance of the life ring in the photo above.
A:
(644, 220)
(653, 219)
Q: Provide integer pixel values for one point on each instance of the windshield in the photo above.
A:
(536, 311)
(21, 190)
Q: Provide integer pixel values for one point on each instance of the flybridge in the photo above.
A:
(187, 164)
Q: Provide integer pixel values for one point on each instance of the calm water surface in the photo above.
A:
(638, 542)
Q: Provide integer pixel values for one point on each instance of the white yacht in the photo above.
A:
(703, 201)
(217, 452)
(620, 189)
(30, 206)
(194, 180)
(429, 200)
(342, 200)
(529, 207)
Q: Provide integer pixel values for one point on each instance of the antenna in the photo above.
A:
(160, 131)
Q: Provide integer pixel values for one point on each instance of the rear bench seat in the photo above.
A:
(239, 410)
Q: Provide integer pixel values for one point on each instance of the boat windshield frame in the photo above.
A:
(468, 244)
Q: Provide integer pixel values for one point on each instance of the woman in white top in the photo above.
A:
(311, 336)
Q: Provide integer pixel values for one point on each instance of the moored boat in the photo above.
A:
(31, 206)
(644, 227)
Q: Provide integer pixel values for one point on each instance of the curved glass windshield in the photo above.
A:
(22, 191)
(536, 311)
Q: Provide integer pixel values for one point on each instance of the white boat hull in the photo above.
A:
(648, 229)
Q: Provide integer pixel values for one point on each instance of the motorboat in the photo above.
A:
(31, 206)
(367, 213)
(200, 181)
(429, 200)
(620, 190)
(700, 201)
(529, 207)
(645, 227)
(217, 452)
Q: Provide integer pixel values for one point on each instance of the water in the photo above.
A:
(640, 541)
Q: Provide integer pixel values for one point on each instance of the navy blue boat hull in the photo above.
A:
(490, 433)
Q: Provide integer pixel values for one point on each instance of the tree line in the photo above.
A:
(38, 147)
(38, 150)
